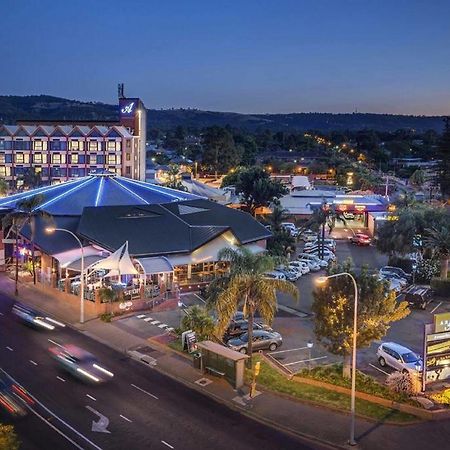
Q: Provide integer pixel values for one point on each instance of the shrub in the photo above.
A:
(106, 317)
(198, 319)
(441, 286)
(8, 438)
(427, 269)
(441, 397)
(404, 263)
(401, 382)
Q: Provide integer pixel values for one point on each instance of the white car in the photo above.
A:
(301, 267)
(399, 358)
(308, 256)
(289, 226)
(393, 284)
(330, 243)
(275, 275)
(328, 255)
(290, 273)
(313, 265)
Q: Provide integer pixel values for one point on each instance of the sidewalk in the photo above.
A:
(320, 425)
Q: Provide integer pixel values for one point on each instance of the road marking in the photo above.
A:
(56, 343)
(380, 370)
(101, 426)
(290, 350)
(140, 316)
(155, 322)
(144, 391)
(10, 349)
(61, 379)
(305, 360)
(170, 329)
(147, 319)
(126, 418)
(92, 398)
(163, 325)
(435, 308)
(168, 445)
(198, 296)
(34, 363)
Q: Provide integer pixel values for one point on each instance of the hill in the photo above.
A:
(47, 107)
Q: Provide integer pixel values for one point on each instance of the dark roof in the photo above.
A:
(179, 227)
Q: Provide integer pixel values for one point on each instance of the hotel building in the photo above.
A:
(65, 150)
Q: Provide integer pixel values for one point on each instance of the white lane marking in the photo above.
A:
(33, 362)
(82, 436)
(163, 325)
(61, 379)
(144, 391)
(380, 370)
(54, 342)
(198, 296)
(126, 418)
(168, 445)
(140, 316)
(10, 349)
(290, 350)
(155, 322)
(148, 319)
(92, 398)
(435, 308)
(304, 360)
(56, 429)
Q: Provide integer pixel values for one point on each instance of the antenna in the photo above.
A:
(120, 91)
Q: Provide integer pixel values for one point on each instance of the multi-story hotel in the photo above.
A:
(64, 150)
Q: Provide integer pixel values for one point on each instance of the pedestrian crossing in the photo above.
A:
(155, 322)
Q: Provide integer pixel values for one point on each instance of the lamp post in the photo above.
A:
(51, 230)
(310, 345)
(322, 280)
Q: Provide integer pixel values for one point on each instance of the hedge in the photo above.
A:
(441, 287)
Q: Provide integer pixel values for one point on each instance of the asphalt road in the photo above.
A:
(145, 409)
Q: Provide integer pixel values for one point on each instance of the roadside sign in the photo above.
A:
(189, 341)
(442, 322)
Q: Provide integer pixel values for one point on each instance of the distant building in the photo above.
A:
(63, 150)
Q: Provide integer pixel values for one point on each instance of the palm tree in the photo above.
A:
(438, 239)
(3, 187)
(247, 287)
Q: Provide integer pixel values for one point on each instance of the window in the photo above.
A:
(112, 159)
(93, 146)
(76, 145)
(74, 158)
(39, 145)
(56, 158)
(99, 160)
(5, 171)
(128, 157)
(21, 145)
(37, 158)
(111, 146)
(2, 144)
(19, 158)
(55, 144)
(128, 170)
(128, 143)
(2, 158)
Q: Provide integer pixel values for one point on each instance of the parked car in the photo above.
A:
(275, 275)
(262, 340)
(313, 265)
(392, 276)
(13, 398)
(328, 255)
(296, 269)
(307, 256)
(393, 284)
(302, 266)
(360, 239)
(239, 327)
(398, 357)
(289, 273)
(80, 363)
(289, 226)
(308, 235)
(387, 270)
(328, 243)
(418, 296)
(31, 317)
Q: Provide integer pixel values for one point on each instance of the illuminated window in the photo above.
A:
(37, 158)
(74, 159)
(44, 158)
(128, 143)
(128, 156)
(111, 146)
(76, 145)
(40, 145)
(56, 158)
(112, 159)
(5, 171)
(2, 158)
(19, 158)
(93, 146)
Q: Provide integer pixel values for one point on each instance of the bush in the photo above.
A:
(8, 438)
(106, 317)
(427, 269)
(404, 263)
(442, 398)
(401, 383)
(441, 286)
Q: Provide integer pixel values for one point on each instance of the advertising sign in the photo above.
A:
(127, 107)
(442, 322)
(189, 341)
(131, 294)
(436, 355)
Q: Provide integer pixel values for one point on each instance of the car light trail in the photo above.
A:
(103, 370)
(43, 324)
(55, 322)
(87, 374)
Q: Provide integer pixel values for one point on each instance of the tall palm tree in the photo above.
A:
(438, 240)
(247, 287)
(3, 187)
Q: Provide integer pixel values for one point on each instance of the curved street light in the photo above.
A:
(323, 280)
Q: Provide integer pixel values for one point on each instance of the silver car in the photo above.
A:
(398, 357)
(262, 340)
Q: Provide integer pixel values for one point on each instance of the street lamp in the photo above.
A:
(50, 230)
(310, 345)
(322, 280)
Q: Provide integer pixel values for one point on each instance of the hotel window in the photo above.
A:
(128, 143)
(111, 146)
(44, 158)
(2, 145)
(76, 145)
(2, 158)
(21, 145)
(99, 160)
(113, 160)
(5, 171)
(56, 145)
(19, 158)
(39, 145)
(56, 158)
(74, 159)
(93, 146)
(128, 157)
(128, 170)
(37, 158)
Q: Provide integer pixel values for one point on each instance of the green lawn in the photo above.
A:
(272, 380)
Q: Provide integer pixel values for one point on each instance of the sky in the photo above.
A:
(251, 56)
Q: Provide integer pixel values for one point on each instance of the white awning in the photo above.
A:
(88, 262)
(159, 264)
(71, 256)
(119, 261)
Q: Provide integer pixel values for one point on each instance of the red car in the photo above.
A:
(360, 239)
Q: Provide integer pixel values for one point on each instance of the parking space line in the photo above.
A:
(290, 350)
(435, 308)
(140, 316)
(198, 296)
(126, 418)
(61, 379)
(155, 322)
(380, 370)
(168, 445)
(53, 342)
(10, 349)
(305, 360)
(34, 363)
(92, 398)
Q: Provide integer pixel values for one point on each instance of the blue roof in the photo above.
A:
(69, 198)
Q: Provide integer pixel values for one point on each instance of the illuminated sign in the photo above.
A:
(442, 322)
(127, 109)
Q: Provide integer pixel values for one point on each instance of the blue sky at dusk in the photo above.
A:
(243, 55)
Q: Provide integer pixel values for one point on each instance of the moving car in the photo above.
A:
(418, 296)
(13, 398)
(398, 357)
(31, 317)
(239, 327)
(262, 340)
(80, 363)
(388, 270)
(308, 256)
(360, 239)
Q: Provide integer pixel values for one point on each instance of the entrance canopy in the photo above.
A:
(158, 264)
(72, 257)
(118, 263)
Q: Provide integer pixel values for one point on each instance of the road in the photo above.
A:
(145, 409)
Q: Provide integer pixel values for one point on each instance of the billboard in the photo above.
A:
(436, 355)
(442, 322)
(128, 108)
